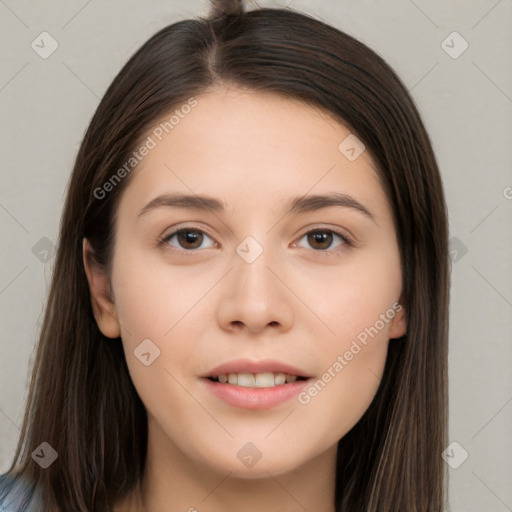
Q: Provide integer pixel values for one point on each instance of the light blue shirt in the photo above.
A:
(16, 495)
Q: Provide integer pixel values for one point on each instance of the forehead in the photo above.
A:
(244, 146)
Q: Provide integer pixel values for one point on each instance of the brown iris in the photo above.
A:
(190, 236)
(320, 237)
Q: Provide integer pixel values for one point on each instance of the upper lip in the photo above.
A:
(253, 366)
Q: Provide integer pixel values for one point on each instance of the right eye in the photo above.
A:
(188, 239)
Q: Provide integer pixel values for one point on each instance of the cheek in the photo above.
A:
(356, 303)
(352, 297)
(167, 306)
(154, 300)
(341, 395)
(157, 307)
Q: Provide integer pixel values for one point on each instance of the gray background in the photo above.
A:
(466, 103)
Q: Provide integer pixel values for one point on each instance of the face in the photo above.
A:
(264, 283)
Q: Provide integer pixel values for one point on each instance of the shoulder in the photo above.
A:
(16, 495)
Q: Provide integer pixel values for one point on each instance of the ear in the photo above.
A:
(103, 307)
(398, 325)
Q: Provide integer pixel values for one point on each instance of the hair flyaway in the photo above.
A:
(82, 402)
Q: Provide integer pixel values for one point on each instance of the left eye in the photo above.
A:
(321, 239)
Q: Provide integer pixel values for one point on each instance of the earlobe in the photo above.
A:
(398, 326)
(103, 307)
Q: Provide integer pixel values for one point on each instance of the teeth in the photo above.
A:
(263, 380)
(256, 380)
(246, 380)
(279, 378)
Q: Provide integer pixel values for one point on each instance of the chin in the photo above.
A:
(248, 463)
(260, 471)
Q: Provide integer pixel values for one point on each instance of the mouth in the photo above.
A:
(257, 380)
(250, 384)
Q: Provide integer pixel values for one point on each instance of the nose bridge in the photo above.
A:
(252, 264)
(254, 296)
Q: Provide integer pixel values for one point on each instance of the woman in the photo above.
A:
(249, 304)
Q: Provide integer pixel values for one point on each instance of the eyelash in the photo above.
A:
(163, 241)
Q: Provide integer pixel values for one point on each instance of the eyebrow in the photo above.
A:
(297, 205)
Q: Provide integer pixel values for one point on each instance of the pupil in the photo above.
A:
(189, 237)
(321, 237)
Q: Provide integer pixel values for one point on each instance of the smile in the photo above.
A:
(256, 380)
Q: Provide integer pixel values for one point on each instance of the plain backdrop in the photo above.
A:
(464, 95)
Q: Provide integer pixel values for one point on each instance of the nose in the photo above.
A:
(255, 298)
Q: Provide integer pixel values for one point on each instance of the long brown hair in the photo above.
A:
(82, 401)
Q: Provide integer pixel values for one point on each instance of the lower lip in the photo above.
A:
(255, 398)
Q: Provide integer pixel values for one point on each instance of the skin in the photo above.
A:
(201, 304)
